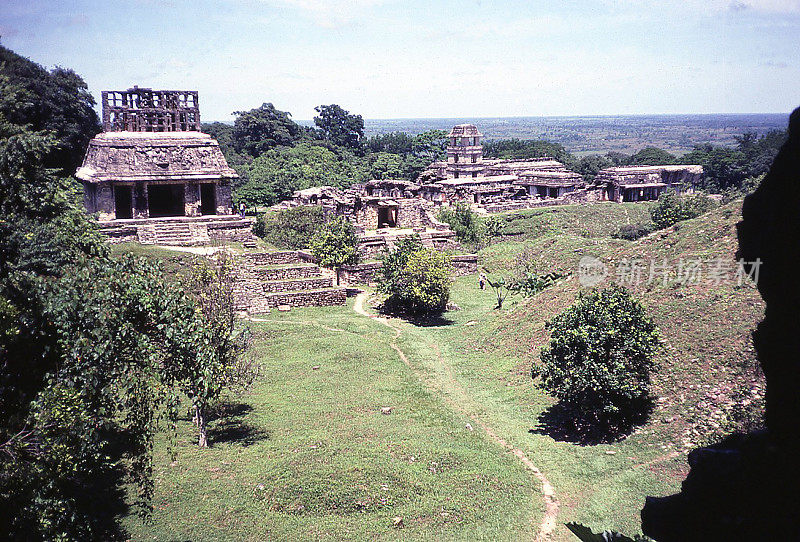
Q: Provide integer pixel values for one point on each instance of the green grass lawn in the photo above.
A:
(307, 454)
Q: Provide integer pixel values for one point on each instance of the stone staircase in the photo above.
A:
(267, 280)
(173, 234)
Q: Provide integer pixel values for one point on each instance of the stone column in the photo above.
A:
(141, 202)
(191, 199)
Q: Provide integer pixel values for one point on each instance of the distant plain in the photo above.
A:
(600, 134)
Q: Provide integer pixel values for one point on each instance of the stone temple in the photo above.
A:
(152, 176)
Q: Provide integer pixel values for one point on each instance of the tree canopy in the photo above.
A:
(94, 349)
(276, 174)
(339, 126)
(416, 279)
(599, 359)
(55, 102)
(263, 128)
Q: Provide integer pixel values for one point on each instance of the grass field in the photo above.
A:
(307, 454)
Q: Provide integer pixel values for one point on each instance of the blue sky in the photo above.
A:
(410, 58)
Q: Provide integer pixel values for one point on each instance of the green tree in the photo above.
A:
(336, 244)
(222, 362)
(263, 128)
(599, 358)
(55, 102)
(416, 279)
(89, 344)
(339, 126)
(392, 142)
(384, 165)
(672, 208)
(651, 156)
(277, 174)
(430, 145)
(590, 165)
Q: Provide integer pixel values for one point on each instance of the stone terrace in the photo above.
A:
(266, 280)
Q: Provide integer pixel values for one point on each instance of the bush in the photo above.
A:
(463, 221)
(632, 232)
(293, 228)
(417, 279)
(599, 358)
(672, 208)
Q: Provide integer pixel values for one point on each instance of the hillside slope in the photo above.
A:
(709, 382)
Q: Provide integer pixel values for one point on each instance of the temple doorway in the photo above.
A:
(387, 217)
(123, 200)
(166, 200)
(208, 199)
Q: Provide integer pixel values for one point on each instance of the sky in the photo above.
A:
(428, 58)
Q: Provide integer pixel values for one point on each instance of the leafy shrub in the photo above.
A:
(417, 279)
(464, 222)
(632, 232)
(599, 358)
(336, 244)
(672, 208)
(492, 227)
(293, 228)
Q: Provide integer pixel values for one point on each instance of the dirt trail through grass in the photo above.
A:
(548, 523)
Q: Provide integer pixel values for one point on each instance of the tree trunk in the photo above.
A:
(337, 276)
(200, 416)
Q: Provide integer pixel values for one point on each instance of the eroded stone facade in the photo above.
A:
(152, 162)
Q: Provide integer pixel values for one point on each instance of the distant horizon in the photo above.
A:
(768, 113)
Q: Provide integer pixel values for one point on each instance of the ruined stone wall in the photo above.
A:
(369, 273)
(464, 264)
(364, 273)
(319, 298)
(224, 202)
(299, 271)
(236, 231)
(278, 258)
(104, 201)
(191, 199)
(290, 285)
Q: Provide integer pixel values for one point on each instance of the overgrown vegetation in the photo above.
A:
(463, 221)
(292, 228)
(416, 279)
(599, 359)
(672, 208)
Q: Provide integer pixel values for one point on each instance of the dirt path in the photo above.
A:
(548, 524)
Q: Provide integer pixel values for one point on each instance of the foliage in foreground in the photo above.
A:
(93, 349)
(416, 279)
(599, 358)
(293, 228)
(672, 208)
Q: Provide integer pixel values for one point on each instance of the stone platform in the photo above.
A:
(267, 280)
(179, 230)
